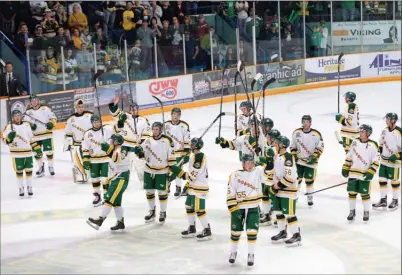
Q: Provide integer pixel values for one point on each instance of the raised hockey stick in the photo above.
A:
(220, 109)
(339, 78)
(131, 96)
(333, 186)
(9, 108)
(163, 113)
(264, 87)
(239, 69)
(94, 80)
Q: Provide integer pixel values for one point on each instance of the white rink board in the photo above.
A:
(48, 233)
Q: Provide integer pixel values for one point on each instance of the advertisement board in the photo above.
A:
(326, 68)
(372, 33)
(88, 97)
(62, 104)
(170, 90)
(381, 64)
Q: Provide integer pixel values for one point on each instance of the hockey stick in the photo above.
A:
(220, 109)
(37, 120)
(163, 113)
(131, 95)
(336, 185)
(339, 78)
(264, 87)
(239, 68)
(94, 80)
(255, 126)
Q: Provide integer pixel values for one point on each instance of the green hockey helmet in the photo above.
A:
(16, 112)
(366, 127)
(176, 110)
(196, 143)
(95, 118)
(247, 157)
(306, 117)
(351, 96)
(267, 122)
(158, 125)
(246, 104)
(117, 138)
(33, 97)
(274, 133)
(253, 119)
(283, 140)
(134, 105)
(392, 116)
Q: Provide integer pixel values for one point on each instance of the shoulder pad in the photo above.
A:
(297, 130)
(185, 123)
(45, 106)
(399, 129)
(373, 143)
(169, 121)
(88, 113)
(317, 132)
(351, 108)
(72, 115)
(169, 139)
(288, 159)
(87, 131)
(198, 160)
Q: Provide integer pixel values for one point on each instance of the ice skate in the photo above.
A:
(205, 235)
(21, 191)
(41, 171)
(310, 201)
(29, 189)
(119, 225)
(151, 216)
(276, 224)
(352, 215)
(162, 217)
(184, 193)
(366, 216)
(250, 259)
(97, 200)
(232, 257)
(266, 220)
(177, 193)
(393, 205)
(189, 233)
(280, 237)
(51, 170)
(381, 205)
(95, 224)
(295, 240)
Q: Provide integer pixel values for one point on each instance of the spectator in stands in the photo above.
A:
(166, 36)
(177, 32)
(179, 10)
(76, 38)
(85, 62)
(315, 41)
(146, 37)
(140, 13)
(49, 69)
(167, 12)
(129, 23)
(67, 35)
(134, 60)
(60, 41)
(199, 57)
(324, 39)
(242, 9)
(230, 58)
(10, 84)
(188, 29)
(155, 27)
(23, 39)
(202, 28)
(60, 13)
(288, 42)
(109, 16)
(49, 25)
(156, 11)
(86, 38)
(245, 49)
(78, 19)
(192, 7)
(100, 38)
(40, 42)
(94, 12)
(7, 17)
(37, 10)
(227, 10)
(102, 58)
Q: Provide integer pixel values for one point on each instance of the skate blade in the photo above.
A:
(189, 236)
(265, 223)
(351, 221)
(366, 222)
(94, 226)
(98, 204)
(118, 231)
(177, 197)
(393, 209)
(40, 175)
(278, 241)
(296, 244)
(161, 222)
(204, 239)
(150, 221)
(380, 208)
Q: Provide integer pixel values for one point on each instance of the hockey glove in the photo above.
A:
(294, 154)
(86, 164)
(257, 150)
(122, 118)
(106, 147)
(312, 160)
(186, 159)
(393, 158)
(33, 127)
(270, 153)
(38, 152)
(11, 136)
(222, 142)
(345, 172)
(272, 190)
(139, 151)
(261, 161)
(49, 126)
(368, 176)
(176, 171)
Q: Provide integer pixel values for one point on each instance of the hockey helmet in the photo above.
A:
(274, 133)
(246, 104)
(95, 118)
(33, 97)
(176, 110)
(196, 143)
(267, 122)
(392, 116)
(283, 140)
(351, 96)
(247, 157)
(117, 138)
(158, 125)
(367, 128)
(78, 102)
(16, 112)
(306, 117)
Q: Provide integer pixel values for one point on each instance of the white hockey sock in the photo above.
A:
(50, 162)
(366, 205)
(281, 220)
(204, 220)
(251, 247)
(266, 207)
(29, 181)
(310, 188)
(150, 198)
(352, 202)
(163, 199)
(383, 192)
(20, 182)
(251, 240)
(293, 224)
(105, 211)
(119, 212)
(191, 218)
(396, 189)
(179, 182)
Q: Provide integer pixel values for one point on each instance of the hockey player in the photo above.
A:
(179, 132)
(134, 128)
(42, 121)
(285, 187)
(246, 144)
(77, 124)
(198, 188)
(21, 141)
(307, 146)
(243, 197)
(158, 153)
(243, 118)
(94, 158)
(349, 121)
(391, 152)
(119, 181)
(360, 166)
(267, 125)
(265, 217)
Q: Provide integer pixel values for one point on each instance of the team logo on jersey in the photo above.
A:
(90, 135)
(288, 163)
(73, 120)
(197, 165)
(147, 141)
(351, 111)
(298, 135)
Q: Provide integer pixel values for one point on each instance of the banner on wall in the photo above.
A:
(372, 33)
(326, 68)
(88, 97)
(171, 90)
(287, 73)
(381, 64)
(62, 104)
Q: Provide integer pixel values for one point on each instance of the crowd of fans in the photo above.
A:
(91, 32)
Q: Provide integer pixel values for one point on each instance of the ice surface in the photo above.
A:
(48, 233)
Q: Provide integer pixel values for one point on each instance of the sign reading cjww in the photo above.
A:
(172, 90)
(326, 68)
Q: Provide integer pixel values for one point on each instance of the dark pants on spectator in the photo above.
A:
(322, 52)
(192, 7)
(131, 36)
(85, 79)
(146, 57)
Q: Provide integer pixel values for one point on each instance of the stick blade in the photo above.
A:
(340, 56)
(269, 81)
(97, 75)
(239, 66)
